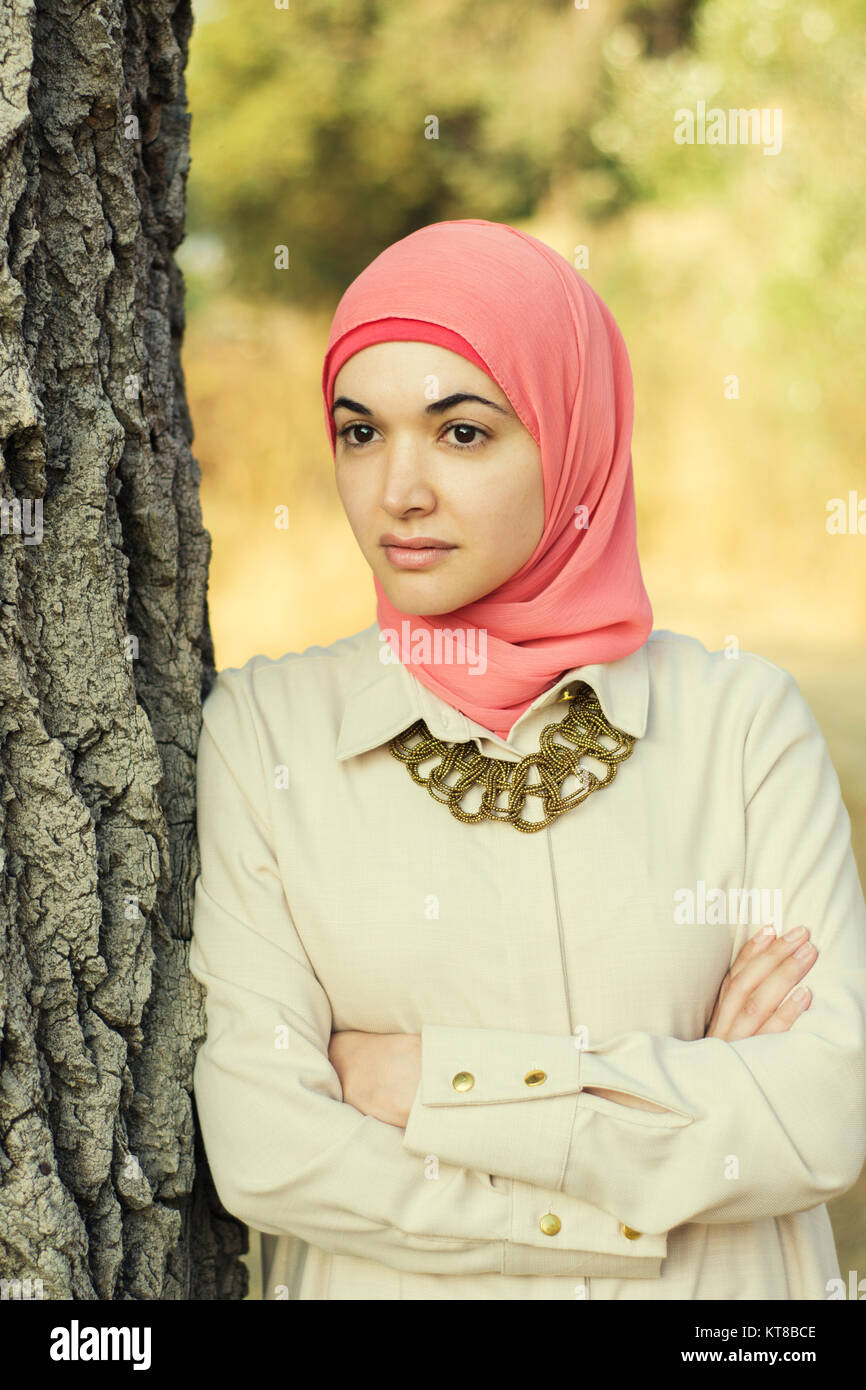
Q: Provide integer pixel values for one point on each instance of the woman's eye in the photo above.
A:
(347, 433)
(472, 429)
(354, 443)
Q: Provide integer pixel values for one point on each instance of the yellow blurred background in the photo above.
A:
(736, 277)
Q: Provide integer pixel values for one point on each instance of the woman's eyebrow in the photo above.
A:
(434, 408)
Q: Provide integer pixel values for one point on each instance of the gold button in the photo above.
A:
(629, 1233)
(535, 1078)
(463, 1081)
(550, 1224)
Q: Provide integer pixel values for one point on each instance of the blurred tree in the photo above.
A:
(665, 24)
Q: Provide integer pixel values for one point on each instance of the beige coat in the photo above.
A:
(336, 893)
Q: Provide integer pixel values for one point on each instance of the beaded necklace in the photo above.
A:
(583, 725)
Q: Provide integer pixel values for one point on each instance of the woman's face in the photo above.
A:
(412, 462)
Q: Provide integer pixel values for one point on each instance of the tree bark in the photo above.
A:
(105, 657)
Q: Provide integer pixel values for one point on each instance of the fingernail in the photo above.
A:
(802, 951)
(764, 933)
(794, 933)
(799, 993)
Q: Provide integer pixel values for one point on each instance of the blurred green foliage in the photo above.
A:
(316, 126)
(312, 124)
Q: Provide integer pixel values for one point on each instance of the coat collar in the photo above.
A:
(388, 698)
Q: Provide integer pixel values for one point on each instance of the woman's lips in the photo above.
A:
(405, 558)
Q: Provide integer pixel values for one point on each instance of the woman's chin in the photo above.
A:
(419, 600)
(416, 609)
(425, 595)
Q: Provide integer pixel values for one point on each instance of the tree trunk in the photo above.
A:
(105, 656)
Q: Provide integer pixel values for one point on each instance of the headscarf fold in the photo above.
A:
(519, 310)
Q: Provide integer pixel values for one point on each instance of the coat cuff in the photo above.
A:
(489, 1127)
(588, 1242)
(471, 1105)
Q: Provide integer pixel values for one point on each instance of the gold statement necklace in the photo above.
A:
(583, 725)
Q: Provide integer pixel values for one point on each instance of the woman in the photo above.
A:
(514, 1019)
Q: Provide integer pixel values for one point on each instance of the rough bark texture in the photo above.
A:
(105, 656)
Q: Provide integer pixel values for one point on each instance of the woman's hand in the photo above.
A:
(751, 998)
(379, 1072)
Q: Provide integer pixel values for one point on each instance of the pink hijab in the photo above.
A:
(521, 312)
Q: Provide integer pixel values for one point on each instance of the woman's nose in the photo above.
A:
(406, 475)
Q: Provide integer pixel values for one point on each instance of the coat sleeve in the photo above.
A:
(287, 1154)
(761, 1127)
